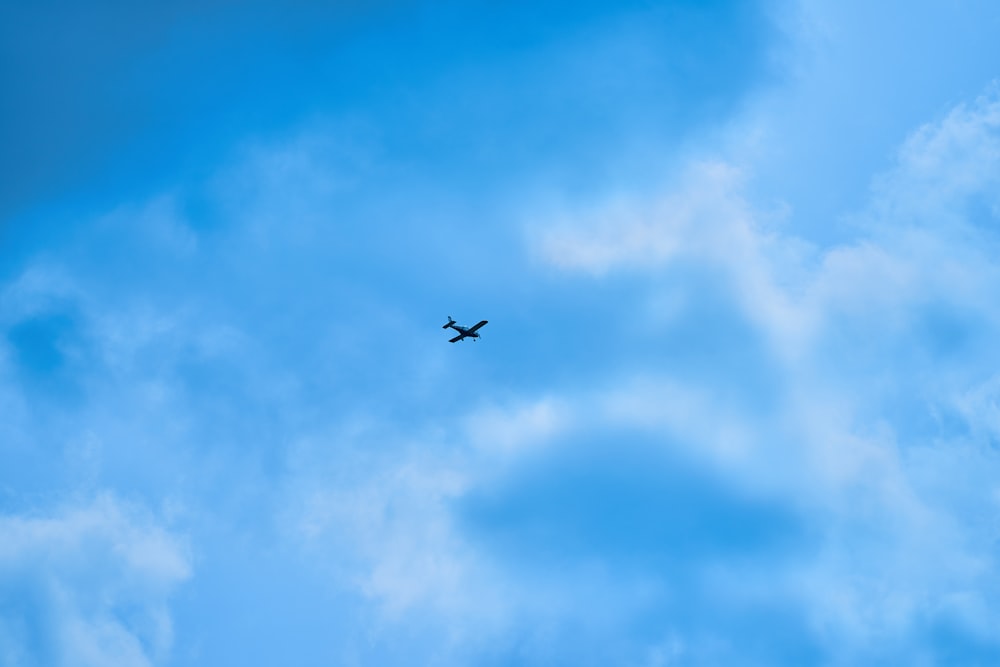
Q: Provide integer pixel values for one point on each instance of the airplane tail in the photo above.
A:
(450, 322)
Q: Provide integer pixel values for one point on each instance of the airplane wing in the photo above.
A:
(476, 327)
(456, 338)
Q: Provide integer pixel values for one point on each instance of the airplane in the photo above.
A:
(463, 332)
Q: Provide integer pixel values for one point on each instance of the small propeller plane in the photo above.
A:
(463, 332)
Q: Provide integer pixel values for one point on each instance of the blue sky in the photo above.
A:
(736, 403)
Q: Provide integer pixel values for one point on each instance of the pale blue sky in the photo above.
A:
(736, 403)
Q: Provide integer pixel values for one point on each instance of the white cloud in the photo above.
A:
(36, 289)
(942, 163)
(88, 586)
(860, 327)
(695, 218)
(704, 219)
(383, 518)
(383, 511)
(505, 432)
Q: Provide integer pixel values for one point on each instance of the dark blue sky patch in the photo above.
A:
(625, 502)
(28, 620)
(947, 331)
(40, 343)
(114, 99)
(89, 106)
(982, 211)
(948, 641)
(49, 352)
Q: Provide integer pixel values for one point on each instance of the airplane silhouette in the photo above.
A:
(463, 332)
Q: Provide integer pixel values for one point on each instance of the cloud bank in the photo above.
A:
(88, 586)
(786, 510)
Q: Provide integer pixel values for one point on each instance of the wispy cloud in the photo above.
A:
(889, 334)
(92, 585)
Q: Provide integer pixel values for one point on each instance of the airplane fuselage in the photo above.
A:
(463, 332)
